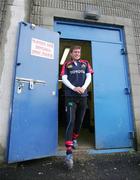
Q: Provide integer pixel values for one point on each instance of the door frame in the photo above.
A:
(80, 23)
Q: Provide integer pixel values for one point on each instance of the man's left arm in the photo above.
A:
(87, 82)
(88, 78)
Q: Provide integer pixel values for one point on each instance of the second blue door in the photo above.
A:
(113, 123)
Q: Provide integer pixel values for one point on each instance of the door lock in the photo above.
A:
(31, 82)
(20, 87)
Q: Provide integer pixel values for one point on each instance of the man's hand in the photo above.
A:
(82, 90)
(79, 90)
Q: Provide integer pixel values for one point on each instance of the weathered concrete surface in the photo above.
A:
(120, 166)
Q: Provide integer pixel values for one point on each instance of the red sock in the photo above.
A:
(68, 145)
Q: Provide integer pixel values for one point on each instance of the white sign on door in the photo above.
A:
(42, 48)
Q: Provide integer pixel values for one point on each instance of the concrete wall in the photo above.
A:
(16, 11)
(115, 12)
(2, 15)
(116, 8)
(2, 18)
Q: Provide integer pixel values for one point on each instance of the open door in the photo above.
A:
(34, 117)
(86, 138)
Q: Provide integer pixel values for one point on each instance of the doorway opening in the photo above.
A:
(86, 139)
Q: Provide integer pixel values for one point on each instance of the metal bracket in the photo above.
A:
(31, 85)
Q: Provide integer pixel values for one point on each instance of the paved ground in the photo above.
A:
(118, 166)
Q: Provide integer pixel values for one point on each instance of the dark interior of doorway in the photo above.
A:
(86, 139)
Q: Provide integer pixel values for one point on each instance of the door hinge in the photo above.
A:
(59, 32)
(131, 135)
(127, 91)
(123, 51)
(32, 26)
(24, 23)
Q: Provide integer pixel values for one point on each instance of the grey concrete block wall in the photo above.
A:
(2, 15)
(3, 4)
(120, 8)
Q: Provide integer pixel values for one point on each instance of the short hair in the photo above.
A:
(74, 47)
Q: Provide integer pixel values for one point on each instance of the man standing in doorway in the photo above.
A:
(76, 77)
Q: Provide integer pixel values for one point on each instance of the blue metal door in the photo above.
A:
(33, 123)
(113, 121)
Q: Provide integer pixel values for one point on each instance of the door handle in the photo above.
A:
(27, 80)
(31, 82)
(127, 91)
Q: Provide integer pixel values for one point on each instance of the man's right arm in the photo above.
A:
(67, 82)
